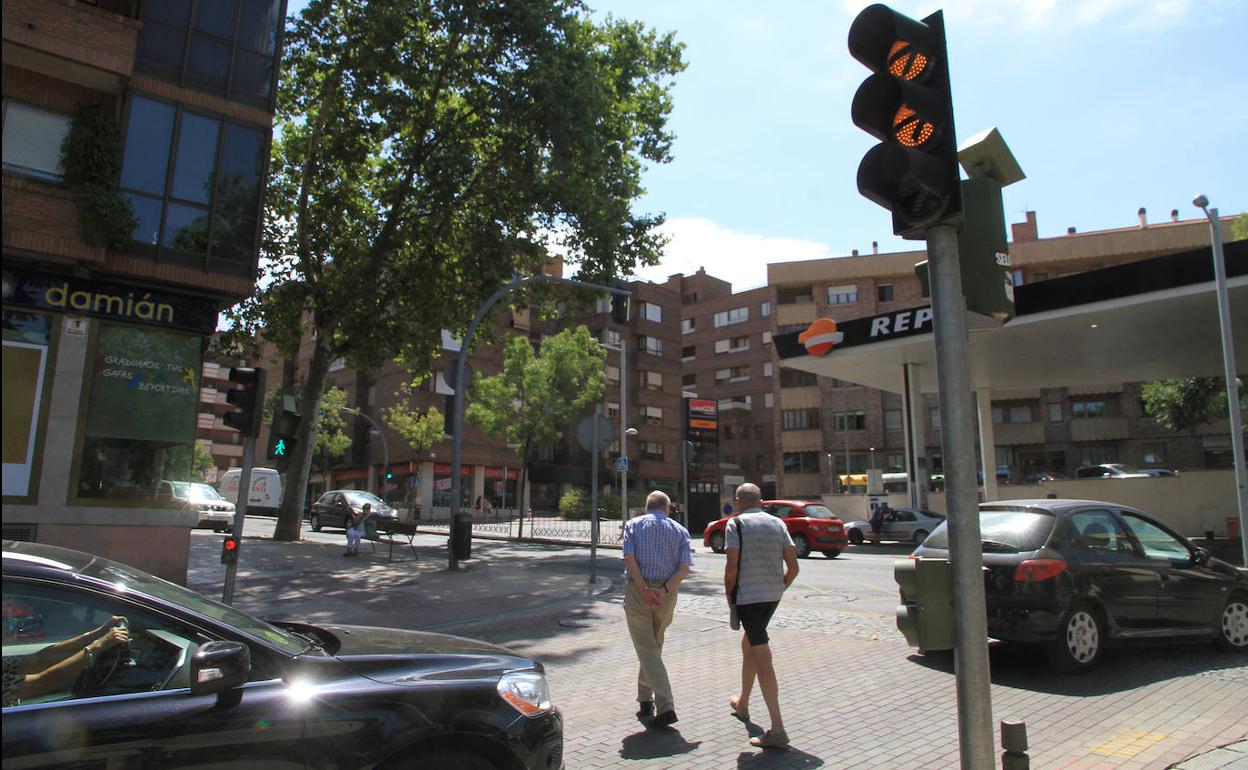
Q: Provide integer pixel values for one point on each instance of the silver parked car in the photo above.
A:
(906, 525)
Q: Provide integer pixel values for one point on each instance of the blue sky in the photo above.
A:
(1108, 105)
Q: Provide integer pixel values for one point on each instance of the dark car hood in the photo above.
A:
(373, 640)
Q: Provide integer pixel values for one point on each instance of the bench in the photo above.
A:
(390, 528)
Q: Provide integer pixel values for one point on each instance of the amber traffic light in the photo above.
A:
(906, 104)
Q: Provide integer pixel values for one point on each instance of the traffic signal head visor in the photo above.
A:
(894, 111)
(918, 188)
(888, 42)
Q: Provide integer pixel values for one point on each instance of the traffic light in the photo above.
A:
(282, 434)
(229, 550)
(907, 105)
(248, 399)
(925, 615)
(619, 303)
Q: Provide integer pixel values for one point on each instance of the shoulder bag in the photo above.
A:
(733, 621)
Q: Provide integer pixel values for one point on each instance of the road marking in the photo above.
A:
(1127, 743)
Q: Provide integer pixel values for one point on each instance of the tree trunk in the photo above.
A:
(290, 517)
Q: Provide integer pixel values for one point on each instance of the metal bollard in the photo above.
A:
(1014, 743)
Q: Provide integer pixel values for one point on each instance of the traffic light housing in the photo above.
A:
(907, 104)
(229, 550)
(282, 441)
(248, 399)
(925, 615)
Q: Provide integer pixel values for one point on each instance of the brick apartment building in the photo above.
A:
(826, 425)
(103, 347)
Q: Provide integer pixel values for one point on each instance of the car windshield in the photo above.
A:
(179, 490)
(1005, 529)
(360, 498)
(820, 512)
(203, 492)
(125, 578)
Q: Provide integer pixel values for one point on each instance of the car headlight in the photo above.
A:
(526, 692)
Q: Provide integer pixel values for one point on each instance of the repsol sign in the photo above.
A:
(854, 332)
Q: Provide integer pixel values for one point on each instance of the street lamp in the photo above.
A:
(385, 448)
(1228, 366)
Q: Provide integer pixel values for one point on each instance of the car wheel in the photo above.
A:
(855, 537)
(832, 553)
(802, 545)
(1233, 624)
(1081, 637)
(316, 523)
(919, 536)
(717, 542)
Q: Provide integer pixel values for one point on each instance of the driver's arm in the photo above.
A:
(44, 673)
(60, 651)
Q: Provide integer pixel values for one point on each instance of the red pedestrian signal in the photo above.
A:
(229, 550)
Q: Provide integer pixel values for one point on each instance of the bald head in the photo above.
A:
(658, 501)
(748, 496)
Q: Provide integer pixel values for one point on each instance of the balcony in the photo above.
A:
(788, 315)
(71, 41)
(1018, 433)
(1099, 429)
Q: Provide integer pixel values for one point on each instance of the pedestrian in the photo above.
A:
(762, 563)
(877, 521)
(356, 527)
(476, 509)
(657, 558)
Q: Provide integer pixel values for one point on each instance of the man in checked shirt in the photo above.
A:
(656, 558)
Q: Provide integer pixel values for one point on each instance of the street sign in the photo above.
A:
(621, 464)
(586, 436)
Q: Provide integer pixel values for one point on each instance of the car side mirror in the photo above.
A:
(1200, 557)
(219, 666)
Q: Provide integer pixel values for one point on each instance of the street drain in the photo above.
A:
(829, 597)
(573, 621)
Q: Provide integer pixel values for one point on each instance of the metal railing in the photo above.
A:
(506, 523)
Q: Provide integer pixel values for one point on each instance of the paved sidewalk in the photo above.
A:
(854, 695)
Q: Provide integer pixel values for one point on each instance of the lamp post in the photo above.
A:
(1228, 369)
(385, 448)
(831, 474)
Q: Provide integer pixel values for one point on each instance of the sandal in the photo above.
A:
(740, 713)
(771, 740)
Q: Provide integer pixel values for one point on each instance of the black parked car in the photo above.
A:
(1078, 575)
(333, 508)
(201, 683)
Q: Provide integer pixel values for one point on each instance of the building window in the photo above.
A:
(613, 410)
(764, 310)
(795, 295)
(688, 325)
(32, 140)
(769, 400)
(1017, 277)
(652, 450)
(735, 316)
(766, 338)
(652, 380)
(933, 417)
(844, 421)
(884, 292)
(739, 374)
(1154, 453)
(648, 344)
(767, 368)
(611, 337)
(689, 380)
(842, 295)
(193, 181)
(687, 353)
(799, 419)
(895, 461)
(613, 373)
(652, 415)
(1055, 412)
(1080, 409)
(1011, 413)
(652, 312)
(801, 462)
(722, 375)
(892, 419)
(227, 48)
(1098, 454)
(795, 378)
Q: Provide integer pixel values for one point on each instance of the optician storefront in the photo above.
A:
(101, 386)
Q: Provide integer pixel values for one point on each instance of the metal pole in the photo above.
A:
(1228, 370)
(593, 502)
(957, 431)
(623, 432)
(240, 510)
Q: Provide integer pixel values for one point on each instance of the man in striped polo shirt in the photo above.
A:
(656, 558)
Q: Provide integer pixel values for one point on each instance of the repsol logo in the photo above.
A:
(912, 321)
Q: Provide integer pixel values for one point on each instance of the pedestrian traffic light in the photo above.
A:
(389, 474)
(282, 437)
(248, 399)
(229, 550)
(907, 105)
(619, 303)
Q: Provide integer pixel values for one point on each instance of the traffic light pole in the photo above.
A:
(975, 733)
(240, 515)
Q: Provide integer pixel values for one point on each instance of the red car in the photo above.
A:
(811, 525)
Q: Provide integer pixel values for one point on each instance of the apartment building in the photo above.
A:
(103, 344)
(1036, 430)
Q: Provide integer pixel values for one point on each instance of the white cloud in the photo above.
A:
(737, 257)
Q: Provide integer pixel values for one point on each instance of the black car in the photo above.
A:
(200, 683)
(335, 506)
(1078, 575)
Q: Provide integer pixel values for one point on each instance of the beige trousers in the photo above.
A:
(647, 627)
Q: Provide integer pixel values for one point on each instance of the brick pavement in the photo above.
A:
(854, 695)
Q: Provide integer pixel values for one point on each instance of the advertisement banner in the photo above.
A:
(145, 385)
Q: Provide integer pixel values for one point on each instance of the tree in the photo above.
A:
(427, 152)
(420, 431)
(1239, 228)
(331, 441)
(1185, 402)
(535, 398)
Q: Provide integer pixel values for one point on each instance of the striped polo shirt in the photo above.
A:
(760, 569)
(659, 545)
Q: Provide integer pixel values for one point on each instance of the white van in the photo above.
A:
(266, 490)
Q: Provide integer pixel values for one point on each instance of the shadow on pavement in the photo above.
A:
(653, 744)
(778, 758)
(1120, 669)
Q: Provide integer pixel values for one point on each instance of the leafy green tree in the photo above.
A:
(536, 396)
(420, 431)
(1185, 402)
(201, 461)
(426, 152)
(1239, 228)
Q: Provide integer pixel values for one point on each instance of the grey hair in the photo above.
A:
(657, 499)
(749, 493)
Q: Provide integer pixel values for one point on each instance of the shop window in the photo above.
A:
(139, 425)
(32, 140)
(26, 341)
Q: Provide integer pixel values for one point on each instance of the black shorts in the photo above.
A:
(754, 619)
